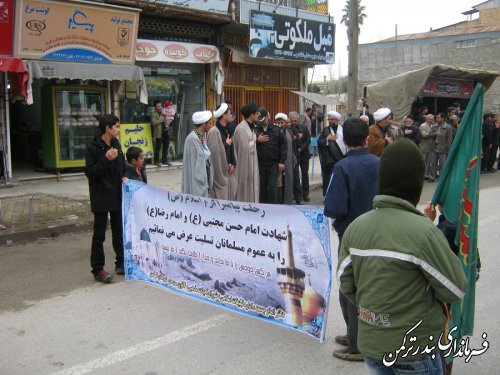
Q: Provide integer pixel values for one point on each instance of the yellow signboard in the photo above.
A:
(138, 135)
(75, 31)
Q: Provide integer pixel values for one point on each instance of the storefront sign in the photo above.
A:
(6, 26)
(274, 36)
(271, 262)
(156, 50)
(138, 135)
(77, 32)
(212, 6)
(436, 86)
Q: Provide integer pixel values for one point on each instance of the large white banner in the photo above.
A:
(272, 262)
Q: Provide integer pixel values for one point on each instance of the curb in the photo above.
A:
(51, 232)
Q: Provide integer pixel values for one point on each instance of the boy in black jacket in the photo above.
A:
(105, 168)
(134, 168)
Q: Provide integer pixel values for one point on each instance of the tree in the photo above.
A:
(345, 15)
(314, 88)
(353, 11)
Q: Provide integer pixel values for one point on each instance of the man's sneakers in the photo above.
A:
(103, 277)
(347, 355)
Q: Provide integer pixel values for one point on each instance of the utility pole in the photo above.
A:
(353, 36)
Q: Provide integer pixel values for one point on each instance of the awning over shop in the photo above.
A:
(12, 64)
(19, 81)
(241, 56)
(317, 98)
(399, 92)
(108, 72)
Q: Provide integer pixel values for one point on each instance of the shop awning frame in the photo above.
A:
(98, 72)
(12, 65)
(399, 92)
(21, 78)
(240, 55)
(317, 98)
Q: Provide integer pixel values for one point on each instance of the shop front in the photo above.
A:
(77, 55)
(174, 72)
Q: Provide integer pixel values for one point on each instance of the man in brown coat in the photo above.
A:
(378, 137)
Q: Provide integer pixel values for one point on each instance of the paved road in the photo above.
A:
(54, 319)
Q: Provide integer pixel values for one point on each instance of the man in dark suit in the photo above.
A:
(331, 147)
(304, 155)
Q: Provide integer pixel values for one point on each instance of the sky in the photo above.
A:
(381, 17)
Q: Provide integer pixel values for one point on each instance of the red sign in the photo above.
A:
(175, 51)
(205, 54)
(145, 50)
(6, 26)
(437, 86)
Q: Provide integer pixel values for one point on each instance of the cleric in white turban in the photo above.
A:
(221, 146)
(280, 119)
(381, 114)
(197, 170)
(201, 117)
(221, 110)
(334, 114)
(379, 135)
(281, 116)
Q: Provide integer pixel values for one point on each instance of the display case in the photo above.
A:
(71, 121)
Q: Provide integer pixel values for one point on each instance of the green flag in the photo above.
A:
(458, 194)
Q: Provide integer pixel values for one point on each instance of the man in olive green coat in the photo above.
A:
(396, 266)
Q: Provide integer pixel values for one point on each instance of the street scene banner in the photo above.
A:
(74, 31)
(274, 36)
(271, 262)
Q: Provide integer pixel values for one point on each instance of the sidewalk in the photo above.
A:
(44, 207)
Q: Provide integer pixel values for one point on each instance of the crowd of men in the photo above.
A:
(262, 159)
(265, 159)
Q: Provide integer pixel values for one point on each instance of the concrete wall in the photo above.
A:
(378, 61)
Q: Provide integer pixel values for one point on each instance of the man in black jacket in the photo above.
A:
(271, 153)
(303, 155)
(105, 168)
(331, 147)
(411, 130)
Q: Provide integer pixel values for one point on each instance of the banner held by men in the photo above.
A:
(267, 261)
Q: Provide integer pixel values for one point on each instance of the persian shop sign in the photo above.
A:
(212, 6)
(274, 36)
(74, 31)
(155, 50)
